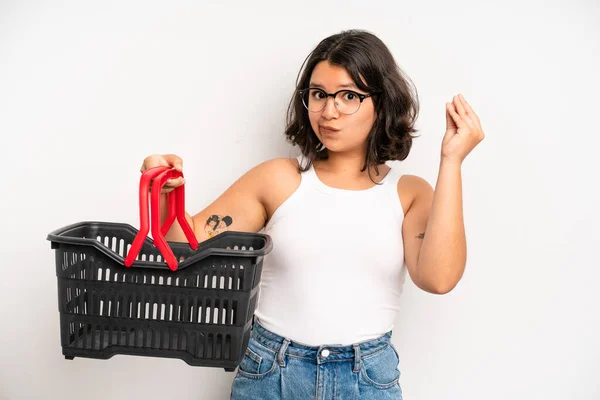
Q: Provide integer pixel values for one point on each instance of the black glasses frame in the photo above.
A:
(361, 96)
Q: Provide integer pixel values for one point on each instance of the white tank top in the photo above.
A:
(336, 271)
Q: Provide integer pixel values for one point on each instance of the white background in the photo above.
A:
(88, 89)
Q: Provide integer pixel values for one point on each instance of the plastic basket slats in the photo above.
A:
(200, 313)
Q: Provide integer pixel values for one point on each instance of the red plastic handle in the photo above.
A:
(176, 207)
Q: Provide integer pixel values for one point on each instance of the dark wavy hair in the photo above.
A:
(374, 70)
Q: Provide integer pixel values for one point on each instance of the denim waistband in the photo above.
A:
(322, 353)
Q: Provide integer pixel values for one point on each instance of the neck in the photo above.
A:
(346, 163)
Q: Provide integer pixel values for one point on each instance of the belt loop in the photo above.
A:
(281, 354)
(356, 358)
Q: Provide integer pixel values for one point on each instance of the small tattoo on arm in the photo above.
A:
(216, 224)
(421, 236)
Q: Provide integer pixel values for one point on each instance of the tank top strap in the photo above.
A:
(308, 175)
(391, 187)
(302, 161)
(394, 174)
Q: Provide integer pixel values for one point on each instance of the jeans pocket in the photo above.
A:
(380, 369)
(258, 361)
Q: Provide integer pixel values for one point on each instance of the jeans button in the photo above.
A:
(325, 353)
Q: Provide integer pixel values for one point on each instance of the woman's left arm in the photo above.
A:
(435, 242)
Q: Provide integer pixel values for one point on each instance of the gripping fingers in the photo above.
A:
(170, 185)
(173, 183)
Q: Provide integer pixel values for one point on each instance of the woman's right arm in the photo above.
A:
(239, 208)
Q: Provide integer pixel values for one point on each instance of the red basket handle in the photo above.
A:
(176, 209)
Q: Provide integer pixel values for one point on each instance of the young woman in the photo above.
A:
(346, 226)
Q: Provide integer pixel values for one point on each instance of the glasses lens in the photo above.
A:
(347, 102)
(314, 100)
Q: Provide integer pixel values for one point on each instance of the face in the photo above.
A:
(340, 133)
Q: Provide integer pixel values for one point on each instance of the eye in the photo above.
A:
(318, 94)
(350, 96)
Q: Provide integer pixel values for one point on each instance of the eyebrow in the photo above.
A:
(345, 85)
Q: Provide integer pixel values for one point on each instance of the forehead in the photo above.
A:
(331, 77)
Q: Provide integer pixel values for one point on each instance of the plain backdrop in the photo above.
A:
(88, 89)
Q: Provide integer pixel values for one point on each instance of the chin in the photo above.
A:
(331, 145)
(336, 147)
(337, 144)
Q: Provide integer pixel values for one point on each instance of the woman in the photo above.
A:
(344, 224)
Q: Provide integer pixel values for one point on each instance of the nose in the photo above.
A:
(330, 111)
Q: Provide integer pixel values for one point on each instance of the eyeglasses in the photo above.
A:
(348, 102)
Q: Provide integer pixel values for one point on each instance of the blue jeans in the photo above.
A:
(275, 367)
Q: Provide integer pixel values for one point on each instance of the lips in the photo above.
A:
(328, 129)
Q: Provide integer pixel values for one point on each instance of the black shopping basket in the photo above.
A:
(120, 292)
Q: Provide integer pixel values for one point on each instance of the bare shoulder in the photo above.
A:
(249, 202)
(410, 187)
(279, 178)
(279, 167)
(278, 172)
(271, 171)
